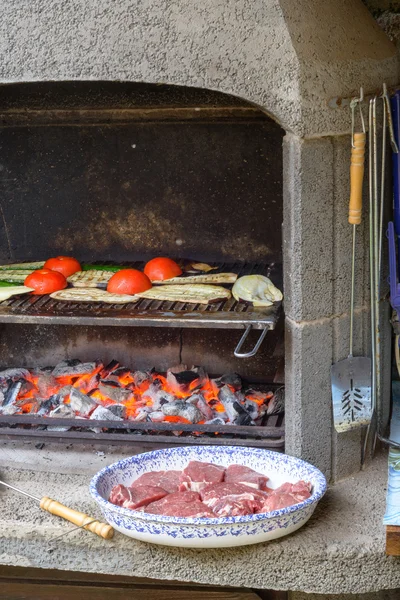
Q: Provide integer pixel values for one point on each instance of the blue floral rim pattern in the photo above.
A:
(294, 467)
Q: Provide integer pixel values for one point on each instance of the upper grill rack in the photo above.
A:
(225, 314)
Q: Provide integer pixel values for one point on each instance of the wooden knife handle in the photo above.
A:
(78, 518)
(356, 178)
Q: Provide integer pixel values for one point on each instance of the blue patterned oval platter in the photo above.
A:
(205, 532)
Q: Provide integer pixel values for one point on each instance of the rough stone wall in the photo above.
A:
(387, 15)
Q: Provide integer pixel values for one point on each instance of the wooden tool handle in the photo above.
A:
(356, 178)
(78, 518)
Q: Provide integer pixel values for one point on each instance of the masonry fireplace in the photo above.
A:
(120, 173)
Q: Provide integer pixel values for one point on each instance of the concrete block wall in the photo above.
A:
(317, 259)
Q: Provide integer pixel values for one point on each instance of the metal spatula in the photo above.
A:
(351, 377)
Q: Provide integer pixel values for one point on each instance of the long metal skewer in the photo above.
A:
(19, 491)
(371, 269)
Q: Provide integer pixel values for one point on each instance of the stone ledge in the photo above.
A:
(340, 550)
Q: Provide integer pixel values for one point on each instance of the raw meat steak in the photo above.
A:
(168, 480)
(287, 495)
(143, 495)
(235, 506)
(152, 478)
(213, 494)
(245, 475)
(181, 509)
(198, 475)
(118, 495)
(174, 498)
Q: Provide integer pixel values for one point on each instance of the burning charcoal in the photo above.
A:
(113, 391)
(42, 370)
(202, 405)
(64, 411)
(81, 403)
(105, 372)
(157, 416)
(10, 409)
(201, 373)
(184, 378)
(277, 403)
(235, 411)
(46, 406)
(27, 386)
(215, 421)
(252, 408)
(102, 414)
(46, 385)
(71, 368)
(61, 412)
(119, 410)
(142, 415)
(14, 374)
(11, 395)
(232, 379)
(157, 396)
(118, 375)
(183, 409)
(140, 377)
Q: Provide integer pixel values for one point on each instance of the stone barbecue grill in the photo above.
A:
(264, 70)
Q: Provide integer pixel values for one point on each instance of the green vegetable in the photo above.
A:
(113, 268)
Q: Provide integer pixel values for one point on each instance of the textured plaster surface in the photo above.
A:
(340, 550)
(273, 53)
(317, 248)
(382, 595)
(308, 356)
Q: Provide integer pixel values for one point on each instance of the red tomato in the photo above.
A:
(63, 264)
(45, 281)
(159, 269)
(128, 281)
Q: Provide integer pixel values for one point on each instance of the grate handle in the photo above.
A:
(237, 352)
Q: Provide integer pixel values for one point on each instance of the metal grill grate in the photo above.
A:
(224, 314)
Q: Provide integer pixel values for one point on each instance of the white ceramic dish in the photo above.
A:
(208, 533)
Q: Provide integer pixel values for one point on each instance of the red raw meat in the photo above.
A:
(168, 480)
(152, 478)
(287, 495)
(180, 509)
(235, 506)
(118, 495)
(245, 475)
(213, 494)
(180, 497)
(143, 495)
(198, 475)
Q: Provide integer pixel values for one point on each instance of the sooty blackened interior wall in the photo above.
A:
(119, 172)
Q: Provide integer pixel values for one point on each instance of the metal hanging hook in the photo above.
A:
(353, 105)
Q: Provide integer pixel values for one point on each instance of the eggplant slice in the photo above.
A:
(90, 279)
(194, 294)
(92, 295)
(211, 278)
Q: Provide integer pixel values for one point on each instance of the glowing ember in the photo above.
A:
(181, 395)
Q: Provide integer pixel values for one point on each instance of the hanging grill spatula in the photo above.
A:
(351, 377)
